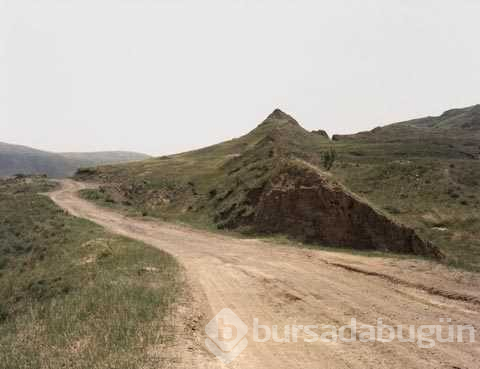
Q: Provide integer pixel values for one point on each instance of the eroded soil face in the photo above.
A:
(303, 203)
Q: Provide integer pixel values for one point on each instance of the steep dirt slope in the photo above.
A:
(302, 201)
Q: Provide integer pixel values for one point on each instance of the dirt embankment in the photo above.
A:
(304, 203)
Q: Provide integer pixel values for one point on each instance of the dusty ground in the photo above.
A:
(282, 285)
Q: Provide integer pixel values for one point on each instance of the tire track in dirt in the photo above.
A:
(430, 290)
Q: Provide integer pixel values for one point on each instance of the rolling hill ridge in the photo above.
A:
(16, 159)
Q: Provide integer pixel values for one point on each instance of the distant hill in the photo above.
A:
(454, 134)
(466, 118)
(104, 157)
(15, 159)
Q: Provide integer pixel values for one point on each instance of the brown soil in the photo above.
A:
(304, 203)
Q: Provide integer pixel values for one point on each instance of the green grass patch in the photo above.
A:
(74, 296)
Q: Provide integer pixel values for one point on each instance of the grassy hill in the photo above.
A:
(16, 159)
(200, 186)
(467, 119)
(73, 295)
(424, 174)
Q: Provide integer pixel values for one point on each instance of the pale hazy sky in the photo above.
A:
(163, 76)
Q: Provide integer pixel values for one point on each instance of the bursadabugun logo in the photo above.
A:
(226, 336)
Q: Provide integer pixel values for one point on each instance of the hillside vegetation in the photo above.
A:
(426, 173)
(74, 296)
(16, 159)
(423, 175)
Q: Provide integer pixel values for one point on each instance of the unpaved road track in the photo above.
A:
(283, 285)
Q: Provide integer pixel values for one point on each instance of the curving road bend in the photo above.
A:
(282, 285)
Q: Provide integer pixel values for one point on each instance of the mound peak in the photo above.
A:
(278, 117)
(279, 114)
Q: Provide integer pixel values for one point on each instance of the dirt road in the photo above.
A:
(283, 285)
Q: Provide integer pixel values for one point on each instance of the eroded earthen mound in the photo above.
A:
(302, 202)
(267, 181)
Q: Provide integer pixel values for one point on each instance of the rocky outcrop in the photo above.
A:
(305, 203)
